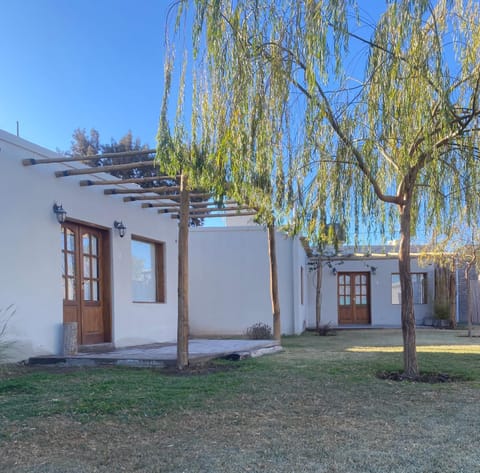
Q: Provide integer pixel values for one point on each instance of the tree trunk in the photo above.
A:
(410, 365)
(277, 331)
(445, 292)
(182, 324)
(441, 285)
(318, 294)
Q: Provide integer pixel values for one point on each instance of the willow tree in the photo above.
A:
(374, 124)
(232, 150)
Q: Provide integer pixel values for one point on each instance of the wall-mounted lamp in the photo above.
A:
(119, 225)
(373, 270)
(60, 213)
(334, 271)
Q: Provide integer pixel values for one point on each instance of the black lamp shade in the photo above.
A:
(60, 213)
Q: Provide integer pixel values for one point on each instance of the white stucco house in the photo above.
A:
(229, 285)
(364, 289)
(121, 291)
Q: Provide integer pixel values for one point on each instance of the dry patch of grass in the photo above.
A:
(316, 407)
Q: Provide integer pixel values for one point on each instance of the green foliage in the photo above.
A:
(286, 118)
(84, 145)
(441, 311)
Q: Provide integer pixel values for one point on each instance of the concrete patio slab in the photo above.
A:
(162, 355)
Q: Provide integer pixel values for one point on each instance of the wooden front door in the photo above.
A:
(86, 298)
(353, 298)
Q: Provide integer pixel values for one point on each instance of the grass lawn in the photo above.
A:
(316, 407)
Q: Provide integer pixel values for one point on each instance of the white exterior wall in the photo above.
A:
(30, 253)
(229, 281)
(383, 312)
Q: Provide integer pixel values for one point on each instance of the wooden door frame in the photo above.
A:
(352, 275)
(105, 276)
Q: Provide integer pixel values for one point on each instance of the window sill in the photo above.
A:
(148, 302)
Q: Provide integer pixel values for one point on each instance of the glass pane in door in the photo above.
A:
(86, 290)
(68, 263)
(86, 243)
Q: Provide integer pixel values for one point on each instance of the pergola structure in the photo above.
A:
(165, 198)
(176, 199)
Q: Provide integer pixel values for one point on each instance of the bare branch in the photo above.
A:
(337, 128)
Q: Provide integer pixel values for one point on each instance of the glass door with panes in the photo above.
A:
(85, 252)
(353, 292)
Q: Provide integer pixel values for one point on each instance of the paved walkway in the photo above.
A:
(161, 354)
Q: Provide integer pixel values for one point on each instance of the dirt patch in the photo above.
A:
(430, 378)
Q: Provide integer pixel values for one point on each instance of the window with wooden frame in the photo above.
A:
(419, 283)
(148, 272)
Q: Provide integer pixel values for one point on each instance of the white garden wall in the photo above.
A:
(229, 281)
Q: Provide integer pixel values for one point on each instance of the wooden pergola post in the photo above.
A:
(277, 331)
(182, 324)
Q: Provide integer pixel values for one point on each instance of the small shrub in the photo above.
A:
(259, 331)
(5, 316)
(441, 311)
(325, 330)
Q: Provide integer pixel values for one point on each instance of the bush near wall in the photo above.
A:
(5, 316)
(259, 331)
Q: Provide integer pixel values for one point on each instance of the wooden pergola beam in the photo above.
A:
(133, 180)
(219, 215)
(227, 208)
(201, 209)
(174, 197)
(107, 169)
(145, 190)
(71, 159)
(192, 204)
(152, 197)
(205, 210)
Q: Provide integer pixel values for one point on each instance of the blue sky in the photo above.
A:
(70, 64)
(81, 63)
